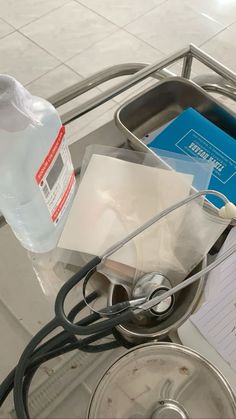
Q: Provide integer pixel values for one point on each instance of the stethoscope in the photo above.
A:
(156, 299)
(150, 302)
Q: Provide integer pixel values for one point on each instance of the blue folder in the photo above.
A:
(193, 135)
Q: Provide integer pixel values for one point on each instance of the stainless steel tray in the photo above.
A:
(158, 105)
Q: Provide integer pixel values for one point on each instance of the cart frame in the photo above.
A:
(222, 81)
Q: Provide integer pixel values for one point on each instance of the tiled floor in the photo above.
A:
(51, 44)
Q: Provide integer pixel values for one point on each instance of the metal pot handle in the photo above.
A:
(217, 84)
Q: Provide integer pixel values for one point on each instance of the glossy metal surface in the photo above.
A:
(160, 104)
(139, 72)
(150, 286)
(168, 409)
(123, 69)
(99, 78)
(162, 381)
(147, 328)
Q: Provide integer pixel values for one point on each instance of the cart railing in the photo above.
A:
(223, 82)
(99, 78)
(226, 83)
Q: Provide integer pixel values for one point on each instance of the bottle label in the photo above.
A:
(56, 177)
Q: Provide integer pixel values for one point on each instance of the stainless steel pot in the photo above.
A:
(162, 380)
(148, 328)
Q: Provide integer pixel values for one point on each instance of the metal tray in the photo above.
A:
(158, 105)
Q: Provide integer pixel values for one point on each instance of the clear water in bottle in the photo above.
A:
(36, 173)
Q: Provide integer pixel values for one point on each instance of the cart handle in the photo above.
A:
(109, 73)
(138, 73)
(228, 92)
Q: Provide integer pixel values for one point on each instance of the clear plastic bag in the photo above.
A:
(174, 249)
(168, 246)
(180, 163)
(53, 269)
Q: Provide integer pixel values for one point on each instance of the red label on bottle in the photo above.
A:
(50, 156)
(56, 177)
(64, 198)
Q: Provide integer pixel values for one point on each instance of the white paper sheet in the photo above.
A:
(115, 197)
(216, 319)
(216, 278)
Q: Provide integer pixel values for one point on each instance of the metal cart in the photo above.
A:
(66, 386)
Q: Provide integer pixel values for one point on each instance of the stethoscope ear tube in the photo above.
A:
(156, 300)
(92, 324)
(62, 318)
(127, 312)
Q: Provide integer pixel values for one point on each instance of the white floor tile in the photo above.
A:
(173, 25)
(121, 12)
(21, 12)
(68, 30)
(5, 29)
(233, 28)
(24, 60)
(223, 11)
(54, 81)
(120, 47)
(176, 68)
(223, 48)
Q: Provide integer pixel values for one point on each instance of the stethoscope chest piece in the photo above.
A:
(152, 285)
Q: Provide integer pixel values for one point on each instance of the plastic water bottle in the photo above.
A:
(37, 179)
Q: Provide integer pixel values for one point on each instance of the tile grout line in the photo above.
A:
(85, 49)
(171, 53)
(123, 28)
(110, 21)
(9, 24)
(213, 36)
(44, 49)
(5, 21)
(72, 69)
(91, 45)
(39, 46)
(59, 59)
(118, 29)
(144, 14)
(145, 42)
(43, 15)
(44, 74)
(68, 66)
(98, 14)
(65, 63)
(48, 71)
(162, 52)
(8, 34)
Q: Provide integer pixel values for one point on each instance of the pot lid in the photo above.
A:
(162, 380)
